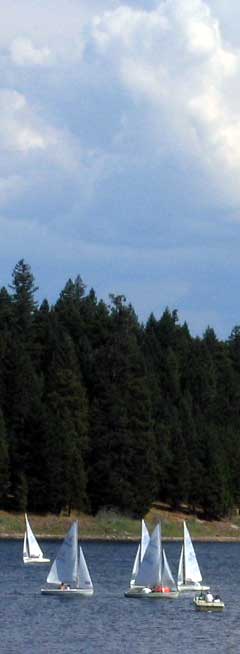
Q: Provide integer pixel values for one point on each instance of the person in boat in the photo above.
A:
(209, 596)
(201, 596)
(64, 586)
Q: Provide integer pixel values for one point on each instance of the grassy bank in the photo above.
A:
(108, 525)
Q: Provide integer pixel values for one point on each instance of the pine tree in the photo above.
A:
(122, 440)
(23, 290)
(67, 417)
(4, 462)
(21, 380)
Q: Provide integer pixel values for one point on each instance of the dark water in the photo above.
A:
(108, 622)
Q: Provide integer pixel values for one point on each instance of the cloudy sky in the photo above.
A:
(120, 152)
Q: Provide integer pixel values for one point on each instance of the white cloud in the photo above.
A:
(18, 128)
(124, 25)
(44, 33)
(174, 61)
(28, 139)
(23, 52)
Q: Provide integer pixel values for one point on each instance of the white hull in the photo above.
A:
(33, 559)
(67, 592)
(204, 605)
(188, 588)
(141, 592)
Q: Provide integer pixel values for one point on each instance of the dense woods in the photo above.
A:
(99, 411)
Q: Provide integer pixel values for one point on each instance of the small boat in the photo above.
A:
(189, 575)
(32, 552)
(208, 602)
(69, 574)
(154, 579)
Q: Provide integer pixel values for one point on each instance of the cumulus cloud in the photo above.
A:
(17, 130)
(40, 33)
(175, 60)
(23, 52)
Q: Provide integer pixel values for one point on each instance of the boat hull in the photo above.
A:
(67, 592)
(146, 593)
(203, 605)
(189, 588)
(29, 560)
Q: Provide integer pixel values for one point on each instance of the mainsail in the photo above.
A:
(30, 545)
(65, 566)
(150, 572)
(188, 570)
(140, 552)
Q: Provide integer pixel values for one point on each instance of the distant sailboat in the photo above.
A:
(32, 552)
(189, 575)
(69, 571)
(154, 578)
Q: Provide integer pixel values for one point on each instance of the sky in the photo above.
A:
(120, 152)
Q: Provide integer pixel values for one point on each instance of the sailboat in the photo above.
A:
(32, 552)
(189, 575)
(140, 553)
(69, 574)
(154, 578)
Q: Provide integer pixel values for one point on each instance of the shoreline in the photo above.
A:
(122, 539)
(110, 526)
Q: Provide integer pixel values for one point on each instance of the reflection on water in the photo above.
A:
(108, 622)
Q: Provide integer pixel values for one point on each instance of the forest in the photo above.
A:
(99, 411)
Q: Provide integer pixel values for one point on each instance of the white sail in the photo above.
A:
(31, 545)
(140, 552)
(190, 567)
(65, 566)
(150, 569)
(145, 538)
(180, 569)
(84, 579)
(135, 566)
(167, 578)
(25, 546)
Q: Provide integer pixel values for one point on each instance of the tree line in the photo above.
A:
(100, 411)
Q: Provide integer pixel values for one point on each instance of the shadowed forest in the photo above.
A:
(98, 411)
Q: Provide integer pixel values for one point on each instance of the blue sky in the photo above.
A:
(120, 152)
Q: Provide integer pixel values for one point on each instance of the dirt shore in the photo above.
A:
(111, 526)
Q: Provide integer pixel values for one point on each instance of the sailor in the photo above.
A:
(209, 596)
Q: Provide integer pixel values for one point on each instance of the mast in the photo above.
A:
(184, 553)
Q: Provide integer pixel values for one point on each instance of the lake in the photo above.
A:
(108, 622)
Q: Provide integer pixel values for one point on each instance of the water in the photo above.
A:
(108, 622)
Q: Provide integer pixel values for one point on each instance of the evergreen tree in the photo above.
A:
(21, 380)
(23, 290)
(122, 440)
(67, 417)
(4, 462)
